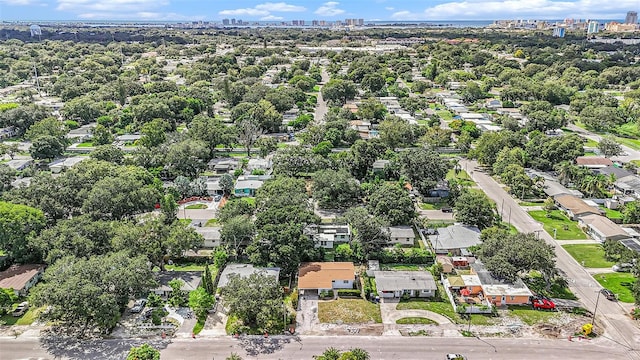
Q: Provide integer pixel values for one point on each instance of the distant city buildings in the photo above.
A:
(559, 32)
(593, 27)
(632, 17)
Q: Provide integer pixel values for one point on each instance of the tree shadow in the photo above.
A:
(73, 348)
(257, 345)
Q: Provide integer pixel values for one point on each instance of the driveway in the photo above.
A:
(436, 215)
(390, 315)
(307, 317)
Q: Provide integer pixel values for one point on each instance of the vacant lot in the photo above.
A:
(348, 311)
(530, 316)
(591, 255)
(620, 283)
(565, 228)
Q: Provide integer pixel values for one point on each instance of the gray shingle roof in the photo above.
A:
(404, 280)
(455, 237)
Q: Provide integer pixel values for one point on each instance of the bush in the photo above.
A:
(71, 124)
(157, 315)
(153, 300)
(326, 294)
(294, 299)
(349, 292)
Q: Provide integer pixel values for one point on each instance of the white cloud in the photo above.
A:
(141, 15)
(280, 7)
(389, 8)
(18, 2)
(517, 9)
(245, 11)
(329, 9)
(125, 7)
(401, 15)
(271, 18)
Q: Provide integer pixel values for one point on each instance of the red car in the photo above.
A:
(543, 304)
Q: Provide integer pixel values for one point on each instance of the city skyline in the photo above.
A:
(252, 10)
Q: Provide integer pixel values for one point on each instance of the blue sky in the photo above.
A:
(179, 10)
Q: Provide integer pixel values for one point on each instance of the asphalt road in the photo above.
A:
(629, 155)
(390, 347)
(321, 105)
(610, 315)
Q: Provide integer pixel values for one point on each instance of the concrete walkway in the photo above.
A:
(579, 242)
(390, 315)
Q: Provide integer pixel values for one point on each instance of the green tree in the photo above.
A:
(200, 301)
(108, 153)
(101, 135)
(372, 109)
(391, 202)
(226, 183)
(47, 147)
(235, 207)
(631, 212)
(396, 132)
(256, 300)
(237, 232)
(473, 208)
(7, 298)
(48, 126)
(362, 155)
(339, 91)
(154, 133)
(207, 281)
(369, 232)
(187, 158)
(17, 224)
(169, 208)
(267, 145)
(7, 176)
(335, 189)
(297, 160)
(143, 352)
(178, 297)
(212, 131)
(374, 82)
(423, 168)
(90, 293)
(608, 146)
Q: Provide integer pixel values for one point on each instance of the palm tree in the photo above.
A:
(329, 354)
(565, 172)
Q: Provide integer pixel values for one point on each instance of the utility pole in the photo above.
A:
(593, 318)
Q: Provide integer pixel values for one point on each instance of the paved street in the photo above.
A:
(321, 105)
(611, 315)
(391, 347)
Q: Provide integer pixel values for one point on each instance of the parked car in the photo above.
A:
(543, 304)
(455, 357)
(217, 197)
(446, 210)
(21, 309)
(138, 305)
(624, 267)
(608, 294)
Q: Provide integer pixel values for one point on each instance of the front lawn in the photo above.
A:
(416, 320)
(530, 203)
(620, 283)
(27, 319)
(462, 177)
(530, 316)
(212, 222)
(612, 214)
(632, 143)
(591, 255)
(565, 228)
(444, 308)
(434, 206)
(348, 311)
(187, 267)
(196, 206)
(85, 144)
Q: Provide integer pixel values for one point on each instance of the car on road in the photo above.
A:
(21, 309)
(543, 304)
(138, 305)
(455, 357)
(624, 267)
(446, 210)
(608, 294)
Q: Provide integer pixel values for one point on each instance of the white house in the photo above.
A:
(327, 235)
(402, 235)
(395, 284)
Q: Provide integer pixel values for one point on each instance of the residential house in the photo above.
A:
(612, 170)
(83, 133)
(245, 270)
(64, 164)
(20, 164)
(221, 166)
(501, 292)
(593, 162)
(402, 235)
(447, 264)
(441, 190)
(128, 138)
(8, 132)
(492, 104)
(574, 206)
(453, 239)
(21, 278)
(190, 279)
(259, 164)
(316, 277)
(628, 185)
(328, 235)
(601, 229)
(631, 244)
(211, 235)
(213, 187)
(246, 187)
(379, 165)
(395, 284)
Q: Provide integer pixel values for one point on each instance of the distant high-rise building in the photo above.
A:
(315, 23)
(225, 21)
(360, 22)
(632, 18)
(301, 22)
(593, 27)
(233, 21)
(559, 32)
(294, 23)
(239, 22)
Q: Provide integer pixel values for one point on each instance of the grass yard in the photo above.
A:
(196, 207)
(27, 319)
(632, 143)
(592, 255)
(445, 115)
(444, 308)
(249, 200)
(434, 206)
(530, 203)
(620, 283)
(530, 316)
(212, 222)
(348, 311)
(462, 177)
(612, 214)
(85, 144)
(416, 320)
(566, 229)
(590, 143)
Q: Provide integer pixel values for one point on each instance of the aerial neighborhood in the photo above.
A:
(159, 186)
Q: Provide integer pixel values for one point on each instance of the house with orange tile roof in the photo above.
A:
(320, 276)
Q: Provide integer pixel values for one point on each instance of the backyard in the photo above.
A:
(612, 214)
(620, 283)
(588, 255)
(348, 311)
(565, 228)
